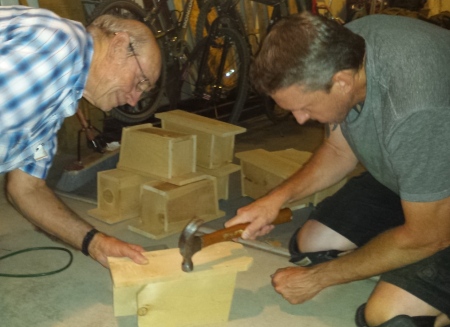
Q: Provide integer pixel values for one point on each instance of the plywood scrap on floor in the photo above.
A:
(161, 294)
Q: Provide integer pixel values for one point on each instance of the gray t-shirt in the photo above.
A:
(402, 133)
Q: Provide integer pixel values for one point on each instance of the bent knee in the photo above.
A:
(315, 236)
(388, 301)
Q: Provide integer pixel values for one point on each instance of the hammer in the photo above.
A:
(190, 243)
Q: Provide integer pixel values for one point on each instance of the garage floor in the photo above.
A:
(81, 296)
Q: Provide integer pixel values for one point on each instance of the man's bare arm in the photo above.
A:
(332, 161)
(425, 232)
(32, 197)
(328, 165)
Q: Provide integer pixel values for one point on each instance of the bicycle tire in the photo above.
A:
(210, 10)
(204, 87)
(149, 104)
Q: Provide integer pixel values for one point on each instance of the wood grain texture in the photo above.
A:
(214, 265)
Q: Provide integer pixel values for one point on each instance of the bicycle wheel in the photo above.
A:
(225, 10)
(149, 102)
(215, 77)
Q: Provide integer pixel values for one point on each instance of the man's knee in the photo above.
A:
(314, 236)
(309, 258)
(397, 321)
(315, 243)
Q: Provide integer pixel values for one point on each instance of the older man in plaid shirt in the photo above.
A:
(47, 64)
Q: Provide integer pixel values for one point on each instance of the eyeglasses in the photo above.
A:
(144, 85)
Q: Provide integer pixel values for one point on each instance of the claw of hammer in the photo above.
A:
(189, 243)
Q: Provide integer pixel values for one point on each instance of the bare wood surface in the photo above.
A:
(164, 267)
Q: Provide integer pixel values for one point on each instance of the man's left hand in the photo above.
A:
(296, 284)
(103, 246)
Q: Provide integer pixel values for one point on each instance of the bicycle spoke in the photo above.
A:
(220, 80)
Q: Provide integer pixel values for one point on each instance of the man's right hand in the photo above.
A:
(260, 214)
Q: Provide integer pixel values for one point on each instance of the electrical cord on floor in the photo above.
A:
(38, 274)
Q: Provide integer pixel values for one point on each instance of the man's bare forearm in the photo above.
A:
(383, 253)
(327, 166)
(43, 208)
(425, 232)
(388, 251)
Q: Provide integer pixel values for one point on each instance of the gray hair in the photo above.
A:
(108, 25)
(306, 50)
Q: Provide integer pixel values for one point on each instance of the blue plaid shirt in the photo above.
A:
(44, 62)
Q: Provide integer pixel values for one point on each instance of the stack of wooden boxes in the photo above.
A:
(156, 180)
(261, 171)
(215, 144)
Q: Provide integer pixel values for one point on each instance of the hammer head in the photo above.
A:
(189, 244)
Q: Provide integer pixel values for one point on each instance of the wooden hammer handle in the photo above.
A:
(228, 234)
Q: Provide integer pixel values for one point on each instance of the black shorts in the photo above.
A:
(364, 208)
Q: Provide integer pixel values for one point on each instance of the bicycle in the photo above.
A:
(213, 74)
(225, 10)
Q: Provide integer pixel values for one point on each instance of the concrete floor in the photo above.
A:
(82, 295)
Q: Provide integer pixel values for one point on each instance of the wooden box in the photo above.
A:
(222, 176)
(166, 208)
(302, 157)
(215, 139)
(261, 171)
(159, 153)
(118, 195)
(161, 294)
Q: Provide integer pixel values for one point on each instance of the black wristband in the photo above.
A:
(87, 240)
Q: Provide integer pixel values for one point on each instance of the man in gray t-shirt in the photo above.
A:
(381, 85)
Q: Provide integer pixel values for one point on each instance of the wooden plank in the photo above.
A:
(164, 267)
(200, 123)
(195, 300)
(297, 156)
(269, 162)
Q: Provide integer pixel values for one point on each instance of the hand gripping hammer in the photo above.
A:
(190, 243)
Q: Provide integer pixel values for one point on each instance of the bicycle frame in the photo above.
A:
(162, 18)
(281, 8)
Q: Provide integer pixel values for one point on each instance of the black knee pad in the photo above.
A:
(360, 319)
(397, 321)
(309, 258)
(313, 258)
